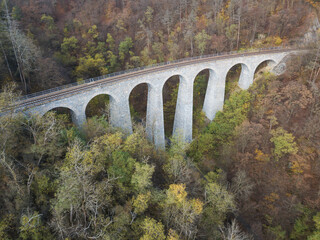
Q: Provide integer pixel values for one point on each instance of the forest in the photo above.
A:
(251, 173)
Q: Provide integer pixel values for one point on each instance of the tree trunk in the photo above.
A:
(253, 34)
(6, 59)
(239, 26)
(11, 37)
(180, 14)
(191, 46)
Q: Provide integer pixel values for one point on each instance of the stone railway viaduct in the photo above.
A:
(119, 87)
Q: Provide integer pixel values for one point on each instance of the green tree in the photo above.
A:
(32, 228)
(69, 45)
(141, 178)
(218, 203)
(283, 143)
(112, 61)
(231, 34)
(180, 212)
(93, 32)
(110, 42)
(6, 224)
(84, 192)
(135, 61)
(145, 58)
(201, 41)
(177, 165)
(149, 14)
(124, 48)
(123, 168)
(157, 48)
(316, 234)
(48, 21)
(141, 202)
(222, 129)
(137, 144)
(91, 67)
(102, 48)
(152, 230)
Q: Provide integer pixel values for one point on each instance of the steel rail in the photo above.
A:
(72, 90)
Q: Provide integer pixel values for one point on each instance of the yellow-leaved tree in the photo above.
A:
(181, 213)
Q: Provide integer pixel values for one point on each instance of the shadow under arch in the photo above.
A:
(99, 105)
(67, 114)
(235, 78)
(264, 65)
(170, 90)
(200, 86)
(138, 101)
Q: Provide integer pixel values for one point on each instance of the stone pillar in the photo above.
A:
(155, 121)
(120, 113)
(214, 98)
(78, 117)
(184, 109)
(246, 77)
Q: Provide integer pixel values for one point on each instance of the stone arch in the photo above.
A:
(238, 75)
(268, 63)
(181, 78)
(170, 91)
(71, 114)
(138, 112)
(99, 105)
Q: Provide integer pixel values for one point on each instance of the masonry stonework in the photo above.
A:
(119, 93)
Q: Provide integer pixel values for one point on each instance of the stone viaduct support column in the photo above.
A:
(214, 98)
(120, 113)
(246, 76)
(184, 109)
(78, 115)
(155, 122)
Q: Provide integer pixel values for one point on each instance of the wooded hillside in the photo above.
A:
(251, 173)
(72, 40)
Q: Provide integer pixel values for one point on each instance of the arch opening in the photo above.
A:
(170, 96)
(65, 114)
(265, 66)
(200, 85)
(232, 79)
(99, 106)
(138, 100)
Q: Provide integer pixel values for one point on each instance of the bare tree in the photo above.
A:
(25, 51)
(315, 67)
(216, 6)
(189, 31)
(43, 130)
(233, 232)
(146, 26)
(242, 186)
(238, 16)
(167, 20)
(2, 40)
(183, 4)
